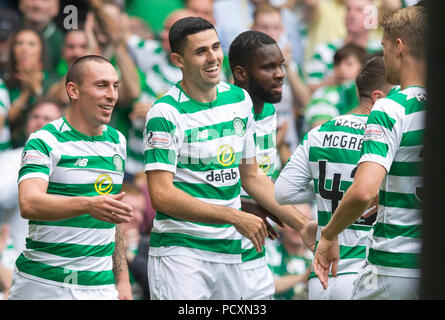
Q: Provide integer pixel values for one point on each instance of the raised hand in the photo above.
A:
(31, 79)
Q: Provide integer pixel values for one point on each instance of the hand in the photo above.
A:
(309, 234)
(252, 227)
(31, 79)
(93, 46)
(326, 254)
(124, 290)
(110, 208)
(251, 206)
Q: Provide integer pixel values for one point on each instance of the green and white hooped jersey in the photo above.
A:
(75, 252)
(202, 144)
(394, 139)
(5, 104)
(328, 155)
(150, 57)
(266, 155)
(329, 102)
(322, 62)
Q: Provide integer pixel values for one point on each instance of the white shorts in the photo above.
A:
(259, 284)
(24, 288)
(185, 278)
(372, 286)
(339, 288)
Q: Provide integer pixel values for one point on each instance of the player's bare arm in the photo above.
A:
(261, 188)
(36, 204)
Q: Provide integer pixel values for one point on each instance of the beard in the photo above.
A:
(262, 94)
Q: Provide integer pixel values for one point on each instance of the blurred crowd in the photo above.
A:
(325, 43)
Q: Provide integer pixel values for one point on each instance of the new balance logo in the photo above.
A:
(81, 162)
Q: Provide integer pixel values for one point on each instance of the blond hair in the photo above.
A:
(410, 25)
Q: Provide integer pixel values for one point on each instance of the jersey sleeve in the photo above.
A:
(162, 138)
(36, 159)
(294, 184)
(383, 133)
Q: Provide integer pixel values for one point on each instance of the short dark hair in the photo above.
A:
(350, 50)
(184, 27)
(371, 77)
(75, 72)
(242, 49)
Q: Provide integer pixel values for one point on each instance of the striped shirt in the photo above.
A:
(75, 251)
(328, 156)
(322, 63)
(394, 139)
(158, 75)
(329, 102)
(5, 104)
(202, 144)
(266, 154)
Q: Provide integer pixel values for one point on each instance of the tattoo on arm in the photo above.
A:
(120, 267)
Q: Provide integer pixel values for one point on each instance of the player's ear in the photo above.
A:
(400, 47)
(376, 95)
(240, 74)
(72, 90)
(177, 60)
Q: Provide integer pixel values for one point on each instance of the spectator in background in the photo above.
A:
(290, 261)
(26, 79)
(319, 68)
(159, 75)
(235, 16)
(107, 32)
(9, 23)
(201, 8)
(136, 243)
(324, 23)
(74, 46)
(41, 113)
(342, 97)
(39, 15)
